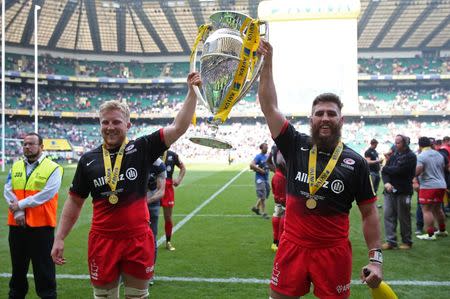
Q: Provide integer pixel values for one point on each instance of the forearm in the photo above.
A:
(156, 196)
(69, 215)
(371, 228)
(269, 102)
(182, 120)
(181, 174)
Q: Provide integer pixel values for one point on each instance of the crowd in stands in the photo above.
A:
(392, 99)
(138, 69)
(244, 136)
(167, 101)
(160, 101)
(404, 66)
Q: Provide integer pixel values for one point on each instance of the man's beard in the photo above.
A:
(328, 143)
(31, 157)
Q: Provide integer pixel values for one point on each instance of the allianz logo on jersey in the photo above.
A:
(337, 186)
(131, 174)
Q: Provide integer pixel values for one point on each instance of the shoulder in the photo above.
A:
(350, 154)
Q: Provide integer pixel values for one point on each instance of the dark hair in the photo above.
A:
(374, 141)
(405, 139)
(328, 97)
(40, 140)
(446, 139)
(261, 145)
(424, 141)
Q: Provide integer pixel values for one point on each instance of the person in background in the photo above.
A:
(171, 159)
(397, 175)
(430, 171)
(278, 165)
(260, 167)
(31, 191)
(156, 186)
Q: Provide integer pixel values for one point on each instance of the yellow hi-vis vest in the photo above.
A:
(42, 215)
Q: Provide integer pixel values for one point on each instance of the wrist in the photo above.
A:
(376, 256)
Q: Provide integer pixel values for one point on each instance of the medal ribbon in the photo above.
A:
(112, 175)
(314, 185)
(246, 63)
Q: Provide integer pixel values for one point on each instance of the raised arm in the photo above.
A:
(184, 116)
(71, 212)
(267, 93)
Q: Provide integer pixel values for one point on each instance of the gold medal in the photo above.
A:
(311, 203)
(113, 199)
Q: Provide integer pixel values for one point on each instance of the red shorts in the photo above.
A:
(431, 196)
(296, 267)
(168, 199)
(279, 188)
(107, 258)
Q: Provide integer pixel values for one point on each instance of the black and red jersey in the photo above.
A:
(171, 161)
(328, 222)
(129, 216)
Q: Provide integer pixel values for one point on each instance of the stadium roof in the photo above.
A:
(161, 27)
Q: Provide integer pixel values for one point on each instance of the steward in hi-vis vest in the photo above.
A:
(31, 191)
(24, 186)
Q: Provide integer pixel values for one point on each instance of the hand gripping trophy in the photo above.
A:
(228, 66)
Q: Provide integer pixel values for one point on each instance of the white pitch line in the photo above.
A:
(220, 215)
(190, 215)
(248, 280)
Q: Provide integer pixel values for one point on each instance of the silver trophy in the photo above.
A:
(228, 66)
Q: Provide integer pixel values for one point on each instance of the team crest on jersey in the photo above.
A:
(169, 158)
(337, 186)
(131, 174)
(349, 161)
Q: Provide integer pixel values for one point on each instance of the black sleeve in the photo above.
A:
(367, 154)
(364, 190)
(153, 145)
(285, 140)
(403, 165)
(79, 184)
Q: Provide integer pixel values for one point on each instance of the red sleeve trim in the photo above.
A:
(283, 129)
(367, 201)
(161, 135)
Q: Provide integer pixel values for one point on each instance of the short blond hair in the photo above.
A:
(116, 105)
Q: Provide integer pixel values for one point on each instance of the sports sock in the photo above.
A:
(430, 231)
(276, 229)
(442, 227)
(168, 228)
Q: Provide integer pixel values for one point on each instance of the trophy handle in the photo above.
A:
(258, 67)
(202, 31)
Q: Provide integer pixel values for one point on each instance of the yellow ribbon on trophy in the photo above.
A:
(202, 30)
(112, 174)
(248, 58)
(314, 185)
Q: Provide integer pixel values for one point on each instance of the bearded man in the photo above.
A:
(324, 177)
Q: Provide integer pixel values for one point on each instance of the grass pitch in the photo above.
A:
(223, 250)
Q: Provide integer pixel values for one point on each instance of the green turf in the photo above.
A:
(211, 246)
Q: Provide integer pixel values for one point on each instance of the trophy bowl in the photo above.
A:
(229, 66)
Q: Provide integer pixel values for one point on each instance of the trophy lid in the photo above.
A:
(228, 19)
